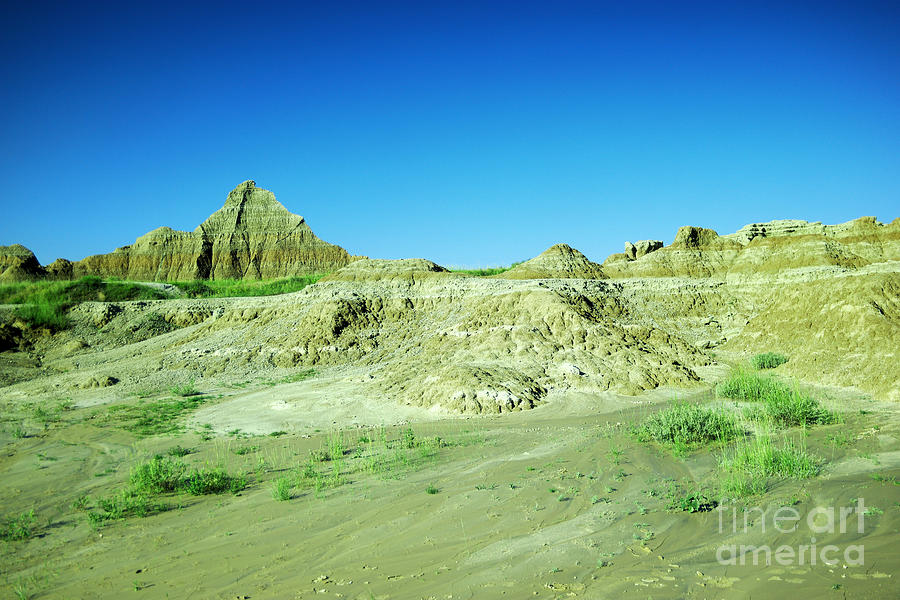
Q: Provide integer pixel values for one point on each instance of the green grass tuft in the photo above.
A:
(201, 482)
(747, 467)
(21, 527)
(185, 390)
(768, 360)
(782, 405)
(683, 426)
(281, 489)
(158, 476)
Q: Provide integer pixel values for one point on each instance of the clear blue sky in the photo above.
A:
(467, 133)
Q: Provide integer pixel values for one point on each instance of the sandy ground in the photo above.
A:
(556, 502)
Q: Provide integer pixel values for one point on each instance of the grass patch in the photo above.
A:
(746, 469)
(46, 303)
(44, 315)
(338, 460)
(486, 272)
(298, 376)
(768, 360)
(18, 528)
(230, 288)
(150, 417)
(123, 504)
(200, 482)
(281, 489)
(782, 405)
(683, 426)
(157, 476)
(185, 390)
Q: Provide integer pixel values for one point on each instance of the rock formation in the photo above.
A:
(18, 263)
(556, 262)
(252, 237)
(641, 248)
(764, 249)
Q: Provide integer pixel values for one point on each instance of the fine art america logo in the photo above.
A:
(820, 521)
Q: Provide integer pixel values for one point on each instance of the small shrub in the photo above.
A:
(682, 426)
(409, 438)
(179, 451)
(158, 475)
(751, 387)
(281, 489)
(746, 468)
(81, 503)
(691, 499)
(21, 527)
(212, 481)
(431, 489)
(795, 409)
(123, 504)
(185, 390)
(768, 360)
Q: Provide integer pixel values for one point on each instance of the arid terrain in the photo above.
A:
(560, 429)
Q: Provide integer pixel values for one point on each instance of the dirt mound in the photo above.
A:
(373, 268)
(18, 263)
(556, 262)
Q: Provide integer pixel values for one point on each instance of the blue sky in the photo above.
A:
(468, 133)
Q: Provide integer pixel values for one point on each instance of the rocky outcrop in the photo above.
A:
(18, 263)
(641, 248)
(556, 262)
(370, 269)
(763, 249)
(60, 269)
(252, 237)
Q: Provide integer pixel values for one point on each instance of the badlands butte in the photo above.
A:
(443, 434)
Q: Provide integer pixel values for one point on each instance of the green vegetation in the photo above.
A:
(683, 426)
(21, 527)
(747, 467)
(123, 504)
(298, 376)
(431, 489)
(157, 476)
(782, 405)
(179, 451)
(201, 482)
(768, 360)
(148, 417)
(487, 272)
(230, 288)
(185, 390)
(336, 461)
(281, 489)
(45, 303)
(689, 498)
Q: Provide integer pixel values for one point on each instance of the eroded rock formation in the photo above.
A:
(252, 237)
